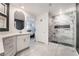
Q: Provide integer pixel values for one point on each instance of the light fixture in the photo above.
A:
(22, 7)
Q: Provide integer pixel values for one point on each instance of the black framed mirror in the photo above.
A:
(4, 17)
(19, 20)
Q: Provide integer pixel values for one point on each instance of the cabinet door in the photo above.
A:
(9, 46)
(22, 42)
(26, 41)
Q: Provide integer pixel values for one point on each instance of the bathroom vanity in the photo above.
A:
(14, 43)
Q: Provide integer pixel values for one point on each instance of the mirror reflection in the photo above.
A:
(19, 20)
(4, 17)
(2, 22)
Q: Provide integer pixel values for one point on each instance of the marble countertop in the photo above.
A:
(13, 34)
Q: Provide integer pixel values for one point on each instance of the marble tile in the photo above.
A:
(52, 49)
(62, 34)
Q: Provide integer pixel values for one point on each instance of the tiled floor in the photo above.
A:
(52, 49)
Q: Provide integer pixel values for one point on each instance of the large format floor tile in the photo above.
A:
(52, 49)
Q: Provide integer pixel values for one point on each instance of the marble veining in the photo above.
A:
(62, 35)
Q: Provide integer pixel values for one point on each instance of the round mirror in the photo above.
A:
(19, 20)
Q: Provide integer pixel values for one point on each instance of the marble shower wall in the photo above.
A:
(62, 34)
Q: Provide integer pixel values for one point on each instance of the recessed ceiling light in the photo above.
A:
(22, 7)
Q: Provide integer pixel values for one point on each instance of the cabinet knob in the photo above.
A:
(24, 40)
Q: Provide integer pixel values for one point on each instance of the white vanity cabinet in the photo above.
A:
(9, 46)
(15, 43)
(22, 42)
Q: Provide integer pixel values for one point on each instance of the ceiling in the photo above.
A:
(37, 9)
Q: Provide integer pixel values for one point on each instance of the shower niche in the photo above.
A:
(62, 26)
